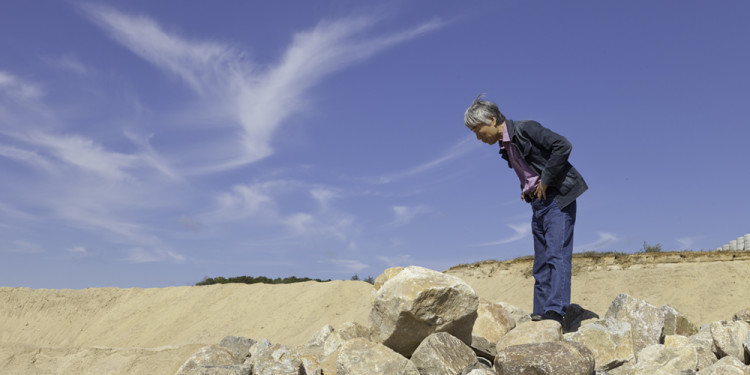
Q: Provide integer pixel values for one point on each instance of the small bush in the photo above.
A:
(651, 249)
(255, 280)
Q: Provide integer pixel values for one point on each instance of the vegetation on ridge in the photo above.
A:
(255, 280)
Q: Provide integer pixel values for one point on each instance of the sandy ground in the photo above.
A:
(153, 331)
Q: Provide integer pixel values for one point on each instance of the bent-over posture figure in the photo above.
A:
(551, 185)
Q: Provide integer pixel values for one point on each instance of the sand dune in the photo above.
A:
(153, 331)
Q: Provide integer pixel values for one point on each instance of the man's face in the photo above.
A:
(489, 133)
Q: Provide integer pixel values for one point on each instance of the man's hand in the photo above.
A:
(541, 191)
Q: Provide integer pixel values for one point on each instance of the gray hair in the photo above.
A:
(479, 112)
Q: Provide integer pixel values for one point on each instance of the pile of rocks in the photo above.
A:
(741, 243)
(425, 322)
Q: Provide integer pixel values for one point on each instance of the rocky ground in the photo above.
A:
(111, 330)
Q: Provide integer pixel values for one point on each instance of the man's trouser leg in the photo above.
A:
(553, 251)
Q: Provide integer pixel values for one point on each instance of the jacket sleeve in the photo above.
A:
(558, 147)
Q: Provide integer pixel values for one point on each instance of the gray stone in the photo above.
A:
(704, 338)
(362, 357)
(729, 338)
(609, 340)
(274, 359)
(223, 370)
(726, 366)
(575, 316)
(388, 274)
(518, 314)
(547, 358)
(743, 315)
(483, 348)
(239, 346)
(658, 359)
(347, 332)
(481, 366)
(675, 323)
(441, 353)
(213, 355)
(418, 302)
(492, 322)
(481, 371)
(646, 321)
(530, 333)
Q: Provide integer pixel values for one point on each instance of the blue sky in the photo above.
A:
(150, 144)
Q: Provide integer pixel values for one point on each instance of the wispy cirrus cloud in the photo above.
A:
(456, 151)
(405, 214)
(605, 240)
(520, 231)
(272, 202)
(14, 87)
(255, 100)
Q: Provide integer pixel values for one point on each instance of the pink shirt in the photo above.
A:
(529, 178)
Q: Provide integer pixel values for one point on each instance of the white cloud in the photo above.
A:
(257, 100)
(605, 240)
(405, 214)
(31, 158)
(459, 149)
(70, 63)
(269, 201)
(402, 260)
(323, 196)
(82, 252)
(140, 255)
(349, 265)
(15, 88)
(521, 231)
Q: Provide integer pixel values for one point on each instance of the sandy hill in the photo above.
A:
(153, 331)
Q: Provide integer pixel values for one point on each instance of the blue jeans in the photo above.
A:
(553, 254)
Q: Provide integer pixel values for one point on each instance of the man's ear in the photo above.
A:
(493, 121)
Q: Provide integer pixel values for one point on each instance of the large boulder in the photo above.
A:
(519, 315)
(442, 354)
(743, 315)
(658, 359)
(609, 340)
(493, 322)
(646, 320)
(239, 346)
(361, 357)
(729, 338)
(704, 338)
(347, 332)
(388, 274)
(531, 333)
(675, 323)
(705, 356)
(418, 302)
(547, 358)
(727, 366)
(208, 356)
(274, 359)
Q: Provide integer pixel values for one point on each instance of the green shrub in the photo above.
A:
(651, 249)
(255, 280)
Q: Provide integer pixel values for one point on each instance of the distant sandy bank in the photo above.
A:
(125, 331)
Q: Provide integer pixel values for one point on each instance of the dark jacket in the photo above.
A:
(546, 152)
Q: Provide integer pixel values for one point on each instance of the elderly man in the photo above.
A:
(551, 185)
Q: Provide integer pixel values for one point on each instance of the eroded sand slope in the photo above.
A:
(153, 331)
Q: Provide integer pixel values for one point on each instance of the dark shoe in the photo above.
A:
(554, 315)
(536, 317)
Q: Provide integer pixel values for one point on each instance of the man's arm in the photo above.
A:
(559, 149)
